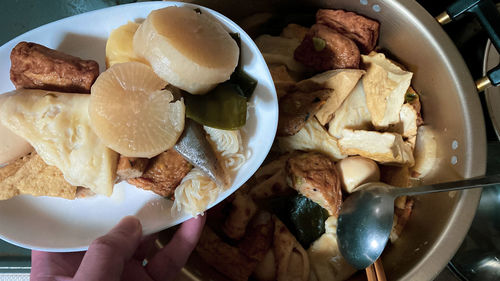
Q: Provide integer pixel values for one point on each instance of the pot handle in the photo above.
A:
(489, 17)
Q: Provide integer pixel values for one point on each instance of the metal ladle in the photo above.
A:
(366, 216)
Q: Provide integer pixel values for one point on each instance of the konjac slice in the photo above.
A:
(131, 113)
(188, 49)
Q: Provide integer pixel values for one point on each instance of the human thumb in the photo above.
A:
(107, 254)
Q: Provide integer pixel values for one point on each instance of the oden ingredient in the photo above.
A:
(355, 171)
(314, 175)
(31, 175)
(34, 66)
(362, 30)
(12, 146)
(119, 46)
(187, 48)
(57, 125)
(163, 174)
(324, 49)
(131, 113)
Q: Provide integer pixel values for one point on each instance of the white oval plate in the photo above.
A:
(55, 224)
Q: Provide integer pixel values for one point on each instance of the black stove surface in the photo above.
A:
(470, 39)
(478, 257)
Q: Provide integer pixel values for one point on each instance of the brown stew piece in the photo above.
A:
(242, 210)
(225, 258)
(130, 167)
(296, 108)
(31, 175)
(363, 31)
(292, 261)
(258, 238)
(163, 174)
(413, 98)
(283, 82)
(324, 49)
(314, 175)
(402, 218)
(34, 66)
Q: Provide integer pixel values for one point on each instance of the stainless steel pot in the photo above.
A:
(492, 95)
(477, 258)
(451, 106)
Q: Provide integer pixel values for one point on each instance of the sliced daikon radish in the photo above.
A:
(131, 113)
(190, 50)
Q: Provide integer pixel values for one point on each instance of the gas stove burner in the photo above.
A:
(492, 95)
(479, 256)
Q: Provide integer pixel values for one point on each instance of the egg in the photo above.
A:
(355, 171)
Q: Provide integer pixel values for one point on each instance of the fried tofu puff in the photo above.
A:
(242, 210)
(163, 174)
(225, 258)
(292, 261)
(34, 66)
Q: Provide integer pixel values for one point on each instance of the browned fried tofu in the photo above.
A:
(34, 66)
(413, 98)
(258, 238)
(283, 82)
(294, 31)
(314, 175)
(130, 167)
(296, 108)
(363, 31)
(292, 261)
(83, 192)
(324, 49)
(401, 218)
(163, 174)
(242, 210)
(9, 190)
(31, 175)
(395, 175)
(225, 258)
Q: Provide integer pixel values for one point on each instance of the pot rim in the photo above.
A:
(458, 224)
